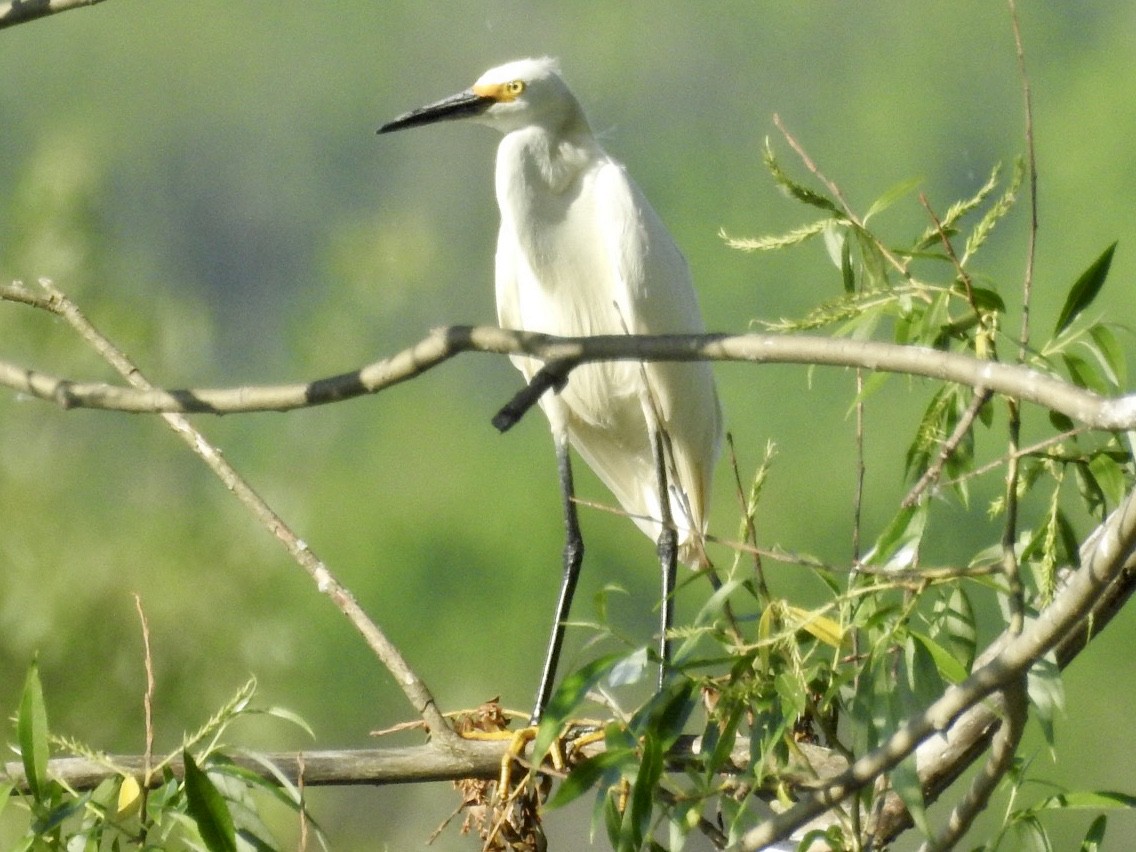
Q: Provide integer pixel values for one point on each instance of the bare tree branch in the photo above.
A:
(471, 759)
(21, 11)
(465, 758)
(566, 353)
(1001, 758)
(411, 685)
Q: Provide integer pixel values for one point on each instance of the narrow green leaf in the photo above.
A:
(62, 811)
(955, 628)
(847, 273)
(891, 196)
(948, 667)
(31, 731)
(723, 745)
(289, 716)
(613, 819)
(795, 190)
(271, 781)
(1110, 353)
(1084, 373)
(1047, 694)
(1030, 834)
(571, 693)
(1093, 800)
(1110, 476)
(792, 694)
(207, 808)
(1094, 837)
(637, 817)
(665, 714)
(898, 545)
(1061, 422)
(630, 669)
(905, 782)
(988, 300)
(607, 766)
(1085, 289)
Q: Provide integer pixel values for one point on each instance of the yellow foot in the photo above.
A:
(518, 741)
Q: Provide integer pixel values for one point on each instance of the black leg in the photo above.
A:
(573, 556)
(668, 556)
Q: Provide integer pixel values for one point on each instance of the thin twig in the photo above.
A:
(1031, 155)
(301, 771)
(1030, 450)
(832, 187)
(147, 710)
(962, 428)
(1009, 532)
(960, 270)
(749, 528)
(412, 686)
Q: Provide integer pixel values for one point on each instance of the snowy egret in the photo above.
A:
(581, 252)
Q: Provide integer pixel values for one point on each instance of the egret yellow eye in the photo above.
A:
(513, 88)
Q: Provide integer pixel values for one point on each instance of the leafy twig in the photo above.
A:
(1104, 562)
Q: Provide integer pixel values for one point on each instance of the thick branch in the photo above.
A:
(943, 758)
(461, 758)
(469, 759)
(1010, 380)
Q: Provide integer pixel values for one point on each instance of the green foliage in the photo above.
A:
(890, 635)
(1025, 826)
(211, 806)
(397, 263)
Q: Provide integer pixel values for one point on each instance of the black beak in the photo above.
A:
(461, 105)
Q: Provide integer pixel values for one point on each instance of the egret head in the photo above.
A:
(519, 94)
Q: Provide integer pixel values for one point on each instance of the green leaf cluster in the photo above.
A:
(762, 672)
(211, 804)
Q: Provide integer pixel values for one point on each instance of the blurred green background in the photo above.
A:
(205, 179)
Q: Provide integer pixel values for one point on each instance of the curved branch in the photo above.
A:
(412, 686)
(1010, 380)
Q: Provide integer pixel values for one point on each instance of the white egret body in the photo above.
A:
(581, 252)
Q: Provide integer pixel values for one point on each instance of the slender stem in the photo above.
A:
(148, 715)
(1031, 153)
